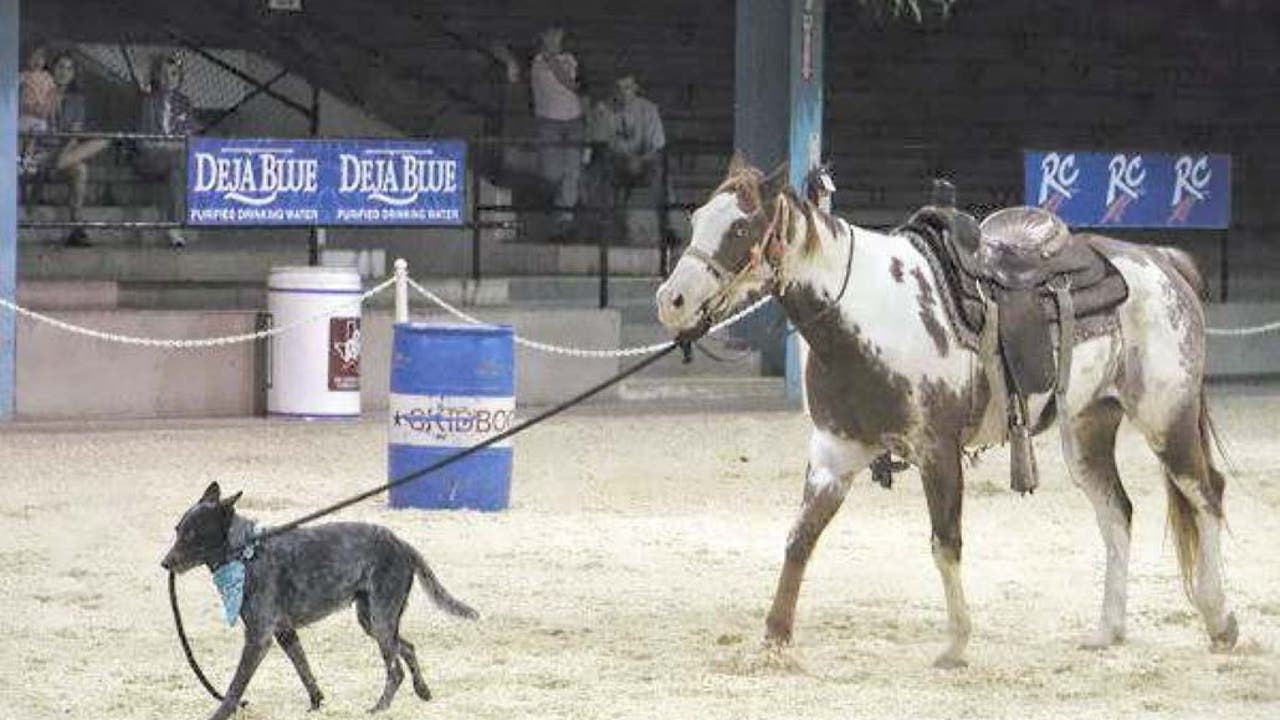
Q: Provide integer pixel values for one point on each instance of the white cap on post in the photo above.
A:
(402, 290)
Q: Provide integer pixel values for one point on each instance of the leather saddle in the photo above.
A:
(1024, 267)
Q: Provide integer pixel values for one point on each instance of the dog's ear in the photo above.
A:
(211, 493)
(230, 502)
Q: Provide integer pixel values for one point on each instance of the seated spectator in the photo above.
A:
(166, 110)
(37, 103)
(635, 148)
(60, 157)
(553, 81)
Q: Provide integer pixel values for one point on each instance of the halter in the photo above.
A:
(769, 250)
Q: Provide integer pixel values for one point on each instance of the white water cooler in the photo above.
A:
(313, 370)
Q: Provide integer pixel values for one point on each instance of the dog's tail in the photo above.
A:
(439, 595)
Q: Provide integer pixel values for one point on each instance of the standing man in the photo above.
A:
(636, 148)
(557, 109)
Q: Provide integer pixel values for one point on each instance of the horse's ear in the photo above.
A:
(776, 182)
(738, 163)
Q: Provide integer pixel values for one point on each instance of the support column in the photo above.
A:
(9, 65)
(778, 117)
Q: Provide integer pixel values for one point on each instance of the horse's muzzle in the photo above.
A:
(696, 332)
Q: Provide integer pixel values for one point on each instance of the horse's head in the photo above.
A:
(727, 258)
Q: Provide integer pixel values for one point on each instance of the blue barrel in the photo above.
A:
(452, 386)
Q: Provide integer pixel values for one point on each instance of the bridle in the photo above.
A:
(768, 252)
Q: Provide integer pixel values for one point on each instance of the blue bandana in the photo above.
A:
(229, 579)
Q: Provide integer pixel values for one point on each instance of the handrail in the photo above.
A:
(478, 210)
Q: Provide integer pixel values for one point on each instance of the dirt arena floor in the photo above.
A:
(630, 578)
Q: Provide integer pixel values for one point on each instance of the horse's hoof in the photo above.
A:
(777, 633)
(947, 662)
(1226, 640)
(315, 703)
(422, 691)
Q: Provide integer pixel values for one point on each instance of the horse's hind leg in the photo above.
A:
(944, 491)
(1195, 514)
(1093, 468)
(832, 464)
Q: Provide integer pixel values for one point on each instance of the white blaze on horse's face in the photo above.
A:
(699, 288)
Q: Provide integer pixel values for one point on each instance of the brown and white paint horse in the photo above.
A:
(886, 371)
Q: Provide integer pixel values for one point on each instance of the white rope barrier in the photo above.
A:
(581, 352)
(1243, 331)
(190, 344)
(400, 278)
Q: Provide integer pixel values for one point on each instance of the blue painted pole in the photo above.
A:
(8, 199)
(805, 148)
(777, 117)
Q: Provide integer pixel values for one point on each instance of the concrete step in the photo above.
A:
(195, 263)
(97, 192)
(694, 393)
(621, 290)
(711, 357)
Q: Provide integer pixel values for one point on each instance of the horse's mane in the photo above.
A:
(812, 216)
(745, 183)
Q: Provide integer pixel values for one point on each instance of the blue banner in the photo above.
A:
(325, 182)
(1130, 189)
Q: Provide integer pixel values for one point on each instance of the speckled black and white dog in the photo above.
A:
(296, 578)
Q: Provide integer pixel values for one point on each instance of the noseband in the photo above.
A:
(767, 251)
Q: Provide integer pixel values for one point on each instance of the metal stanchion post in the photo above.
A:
(402, 290)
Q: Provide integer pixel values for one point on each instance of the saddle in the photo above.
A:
(1021, 287)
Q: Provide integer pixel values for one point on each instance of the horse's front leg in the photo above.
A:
(944, 491)
(833, 462)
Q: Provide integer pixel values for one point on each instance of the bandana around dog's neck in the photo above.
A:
(229, 580)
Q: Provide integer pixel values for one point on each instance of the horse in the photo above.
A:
(885, 372)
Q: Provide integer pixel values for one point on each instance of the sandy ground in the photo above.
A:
(630, 579)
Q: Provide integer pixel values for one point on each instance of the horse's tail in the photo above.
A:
(1186, 267)
(1182, 516)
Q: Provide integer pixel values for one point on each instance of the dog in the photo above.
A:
(296, 578)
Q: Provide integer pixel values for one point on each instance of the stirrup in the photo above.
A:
(1023, 476)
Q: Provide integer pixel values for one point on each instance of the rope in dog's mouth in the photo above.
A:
(415, 475)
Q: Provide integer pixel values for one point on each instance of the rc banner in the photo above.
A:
(325, 182)
(1131, 189)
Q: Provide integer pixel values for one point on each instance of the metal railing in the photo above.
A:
(607, 219)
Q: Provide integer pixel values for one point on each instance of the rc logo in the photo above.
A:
(1124, 185)
(1058, 175)
(1191, 178)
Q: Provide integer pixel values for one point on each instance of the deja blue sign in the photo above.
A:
(1130, 189)
(325, 182)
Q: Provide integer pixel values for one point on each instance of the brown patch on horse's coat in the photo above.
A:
(734, 249)
(851, 391)
(945, 419)
(895, 269)
(927, 303)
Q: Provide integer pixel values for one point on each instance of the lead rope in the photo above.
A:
(279, 529)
